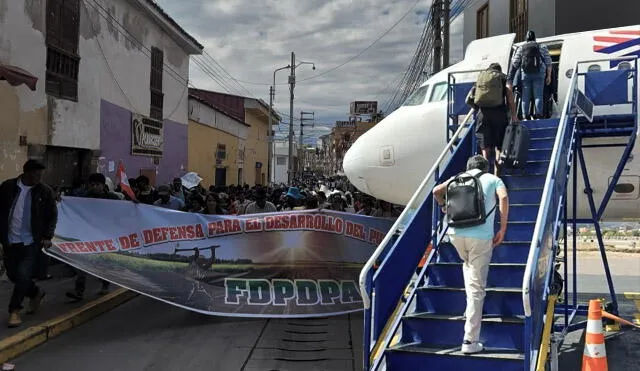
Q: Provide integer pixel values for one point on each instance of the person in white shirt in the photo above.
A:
(261, 205)
(28, 215)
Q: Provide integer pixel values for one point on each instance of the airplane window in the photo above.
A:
(624, 188)
(418, 97)
(594, 68)
(624, 66)
(439, 92)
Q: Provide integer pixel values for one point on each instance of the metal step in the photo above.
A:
(449, 274)
(496, 332)
(509, 252)
(416, 357)
(499, 301)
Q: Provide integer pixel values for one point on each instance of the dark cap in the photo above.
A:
(261, 193)
(32, 165)
(495, 66)
(164, 190)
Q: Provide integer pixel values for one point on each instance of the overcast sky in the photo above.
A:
(251, 38)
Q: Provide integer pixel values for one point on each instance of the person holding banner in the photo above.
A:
(29, 215)
(97, 188)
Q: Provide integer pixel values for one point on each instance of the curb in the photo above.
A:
(34, 336)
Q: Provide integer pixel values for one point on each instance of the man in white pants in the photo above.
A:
(475, 246)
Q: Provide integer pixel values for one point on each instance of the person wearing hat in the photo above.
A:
(29, 216)
(167, 200)
(260, 205)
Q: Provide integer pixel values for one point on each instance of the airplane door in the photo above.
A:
(481, 53)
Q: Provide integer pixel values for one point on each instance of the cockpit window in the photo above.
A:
(418, 97)
(439, 92)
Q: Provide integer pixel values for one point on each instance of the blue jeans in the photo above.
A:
(533, 86)
(19, 260)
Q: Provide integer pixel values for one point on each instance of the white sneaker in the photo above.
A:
(471, 348)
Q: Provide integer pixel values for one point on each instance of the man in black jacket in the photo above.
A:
(28, 215)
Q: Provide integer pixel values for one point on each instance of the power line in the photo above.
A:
(122, 30)
(348, 60)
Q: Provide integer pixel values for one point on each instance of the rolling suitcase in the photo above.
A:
(515, 147)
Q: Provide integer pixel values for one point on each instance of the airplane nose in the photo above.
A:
(355, 165)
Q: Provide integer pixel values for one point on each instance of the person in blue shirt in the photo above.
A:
(167, 200)
(533, 62)
(475, 246)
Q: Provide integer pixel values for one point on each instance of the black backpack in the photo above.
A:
(531, 57)
(465, 201)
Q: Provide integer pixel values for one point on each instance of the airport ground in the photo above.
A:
(144, 334)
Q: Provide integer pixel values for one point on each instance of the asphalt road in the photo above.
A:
(144, 334)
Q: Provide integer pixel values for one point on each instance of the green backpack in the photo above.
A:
(489, 89)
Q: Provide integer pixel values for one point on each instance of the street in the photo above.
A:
(145, 334)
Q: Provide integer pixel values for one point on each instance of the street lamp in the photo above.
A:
(292, 84)
(272, 94)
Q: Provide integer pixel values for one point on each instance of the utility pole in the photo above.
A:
(270, 136)
(292, 84)
(436, 18)
(272, 98)
(446, 16)
(302, 120)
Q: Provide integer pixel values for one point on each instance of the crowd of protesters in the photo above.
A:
(29, 208)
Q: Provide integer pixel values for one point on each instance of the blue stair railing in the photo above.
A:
(549, 219)
(390, 285)
(552, 220)
(383, 289)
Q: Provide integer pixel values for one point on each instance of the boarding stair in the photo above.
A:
(414, 317)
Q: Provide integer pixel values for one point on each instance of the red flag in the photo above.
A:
(121, 178)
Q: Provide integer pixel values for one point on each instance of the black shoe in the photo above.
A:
(76, 296)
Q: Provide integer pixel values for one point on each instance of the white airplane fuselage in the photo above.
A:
(390, 160)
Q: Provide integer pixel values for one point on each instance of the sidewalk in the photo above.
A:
(57, 313)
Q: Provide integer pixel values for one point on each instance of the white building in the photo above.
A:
(112, 86)
(281, 161)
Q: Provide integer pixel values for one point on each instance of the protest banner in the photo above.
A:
(288, 264)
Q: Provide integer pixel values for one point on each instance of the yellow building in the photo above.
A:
(217, 144)
(257, 149)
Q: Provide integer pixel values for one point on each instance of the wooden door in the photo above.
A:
(151, 174)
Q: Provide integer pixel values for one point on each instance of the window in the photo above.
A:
(63, 61)
(221, 153)
(157, 98)
(281, 160)
(519, 18)
(439, 92)
(418, 97)
(482, 22)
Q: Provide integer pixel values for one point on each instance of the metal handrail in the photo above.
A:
(546, 194)
(413, 204)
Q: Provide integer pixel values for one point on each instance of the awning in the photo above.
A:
(16, 76)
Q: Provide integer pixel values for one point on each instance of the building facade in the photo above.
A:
(545, 17)
(281, 165)
(217, 144)
(112, 86)
(255, 113)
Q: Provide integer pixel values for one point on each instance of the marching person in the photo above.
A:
(29, 216)
(97, 188)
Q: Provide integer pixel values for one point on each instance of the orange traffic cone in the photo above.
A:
(594, 357)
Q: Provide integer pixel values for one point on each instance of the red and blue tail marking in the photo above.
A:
(618, 43)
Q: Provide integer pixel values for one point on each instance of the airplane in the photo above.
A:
(391, 159)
